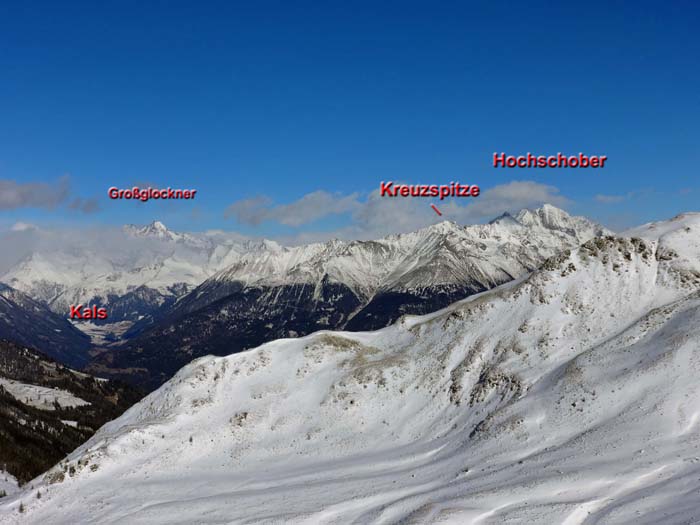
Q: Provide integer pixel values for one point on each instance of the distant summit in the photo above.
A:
(154, 229)
(554, 219)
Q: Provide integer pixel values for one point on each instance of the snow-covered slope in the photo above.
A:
(567, 396)
(8, 483)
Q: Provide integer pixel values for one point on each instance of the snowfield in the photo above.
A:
(571, 395)
(40, 396)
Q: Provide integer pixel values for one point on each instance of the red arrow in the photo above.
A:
(436, 210)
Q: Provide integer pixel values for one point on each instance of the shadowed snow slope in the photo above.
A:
(568, 396)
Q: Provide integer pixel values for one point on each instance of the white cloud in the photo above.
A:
(609, 199)
(511, 197)
(378, 216)
(15, 195)
(309, 208)
(43, 195)
(23, 226)
(85, 205)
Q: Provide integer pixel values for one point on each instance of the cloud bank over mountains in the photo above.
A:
(377, 216)
(309, 208)
(366, 217)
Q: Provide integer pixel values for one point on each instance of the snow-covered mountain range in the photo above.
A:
(135, 273)
(441, 255)
(568, 395)
(132, 273)
(273, 291)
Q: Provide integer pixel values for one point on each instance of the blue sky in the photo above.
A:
(291, 108)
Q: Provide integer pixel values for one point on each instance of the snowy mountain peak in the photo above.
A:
(547, 215)
(155, 229)
(550, 218)
(444, 227)
(444, 254)
(555, 219)
(158, 226)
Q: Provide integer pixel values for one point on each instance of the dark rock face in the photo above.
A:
(143, 302)
(387, 307)
(32, 323)
(246, 318)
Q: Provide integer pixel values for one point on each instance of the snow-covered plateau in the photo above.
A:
(569, 395)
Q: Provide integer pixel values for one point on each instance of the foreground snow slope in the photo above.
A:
(569, 396)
